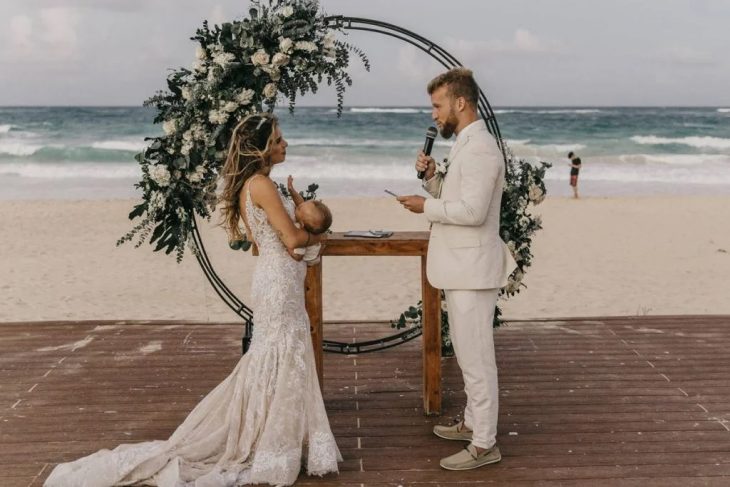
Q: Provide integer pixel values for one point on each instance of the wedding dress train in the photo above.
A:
(262, 423)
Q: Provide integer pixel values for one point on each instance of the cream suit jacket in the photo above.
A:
(465, 250)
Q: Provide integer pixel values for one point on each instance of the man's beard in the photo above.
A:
(449, 126)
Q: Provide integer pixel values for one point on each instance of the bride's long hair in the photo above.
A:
(248, 153)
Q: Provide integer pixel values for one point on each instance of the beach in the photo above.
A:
(597, 256)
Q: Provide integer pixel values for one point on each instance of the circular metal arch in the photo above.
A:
(485, 111)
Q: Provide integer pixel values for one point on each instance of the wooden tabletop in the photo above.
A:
(400, 243)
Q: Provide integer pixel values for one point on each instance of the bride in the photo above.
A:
(266, 419)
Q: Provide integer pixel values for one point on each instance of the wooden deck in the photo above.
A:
(640, 401)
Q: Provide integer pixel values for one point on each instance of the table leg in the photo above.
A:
(313, 295)
(431, 345)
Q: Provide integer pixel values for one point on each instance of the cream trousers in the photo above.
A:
(471, 312)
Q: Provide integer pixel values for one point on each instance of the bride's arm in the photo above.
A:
(265, 194)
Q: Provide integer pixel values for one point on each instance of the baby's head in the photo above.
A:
(314, 216)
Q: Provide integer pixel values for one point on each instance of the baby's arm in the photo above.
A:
(295, 196)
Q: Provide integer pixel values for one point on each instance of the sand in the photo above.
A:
(595, 257)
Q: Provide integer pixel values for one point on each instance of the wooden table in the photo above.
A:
(399, 244)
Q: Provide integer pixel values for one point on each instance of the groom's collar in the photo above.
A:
(464, 134)
(472, 127)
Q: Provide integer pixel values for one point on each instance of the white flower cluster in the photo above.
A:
(270, 90)
(160, 174)
(169, 126)
(305, 46)
(197, 175)
(442, 167)
(223, 59)
(514, 282)
(157, 202)
(536, 194)
(218, 117)
(286, 45)
(328, 45)
(245, 97)
(287, 11)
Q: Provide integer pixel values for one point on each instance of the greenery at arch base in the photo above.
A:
(281, 50)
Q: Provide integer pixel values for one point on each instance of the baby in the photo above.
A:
(314, 217)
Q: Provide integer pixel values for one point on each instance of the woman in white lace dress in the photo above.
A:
(266, 420)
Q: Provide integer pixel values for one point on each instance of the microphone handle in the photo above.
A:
(426, 150)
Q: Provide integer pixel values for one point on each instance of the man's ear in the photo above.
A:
(461, 103)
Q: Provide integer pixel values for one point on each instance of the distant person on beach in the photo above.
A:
(266, 421)
(466, 256)
(575, 164)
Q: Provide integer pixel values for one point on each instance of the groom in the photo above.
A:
(466, 256)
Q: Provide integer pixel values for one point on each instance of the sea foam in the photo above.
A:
(696, 141)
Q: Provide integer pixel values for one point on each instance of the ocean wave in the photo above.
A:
(516, 142)
(696, 141)
(346, 142)
(15, 148)
(723, 110)
(71, 170)
(120, 145)
(671, 159)
(4, 129)
(386, 110)
(578, 111)
(632, 173)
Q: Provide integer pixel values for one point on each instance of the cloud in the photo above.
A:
(523, 42)
(48, 35)
(20, 34)
(688, 57)
(58, 31)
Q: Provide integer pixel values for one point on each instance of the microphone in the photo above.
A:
(427, 146)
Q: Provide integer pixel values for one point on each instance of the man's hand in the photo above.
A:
(427, 164)
(412, 202)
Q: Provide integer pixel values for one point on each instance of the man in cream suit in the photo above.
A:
(466, 256)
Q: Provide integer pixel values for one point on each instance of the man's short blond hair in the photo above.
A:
(460, 84)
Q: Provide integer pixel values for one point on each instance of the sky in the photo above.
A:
(523, 52)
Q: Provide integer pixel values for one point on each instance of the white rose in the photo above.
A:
(306, 46)
(536, 194)
(270, 90)
(280, 59)
(187, 93)
(245, 96)
(272, 71)
(287, 11)
(200, 53)
(169, 126)
(260, 58)
(286, 45)
(160, 174)
(188, 135)
(230, 107)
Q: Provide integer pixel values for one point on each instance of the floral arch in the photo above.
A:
(287, 48)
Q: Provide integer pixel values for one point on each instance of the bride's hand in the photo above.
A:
(290, 184)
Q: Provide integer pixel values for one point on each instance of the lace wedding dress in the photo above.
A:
(262, 423)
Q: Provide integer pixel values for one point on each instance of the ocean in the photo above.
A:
(88, 152)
